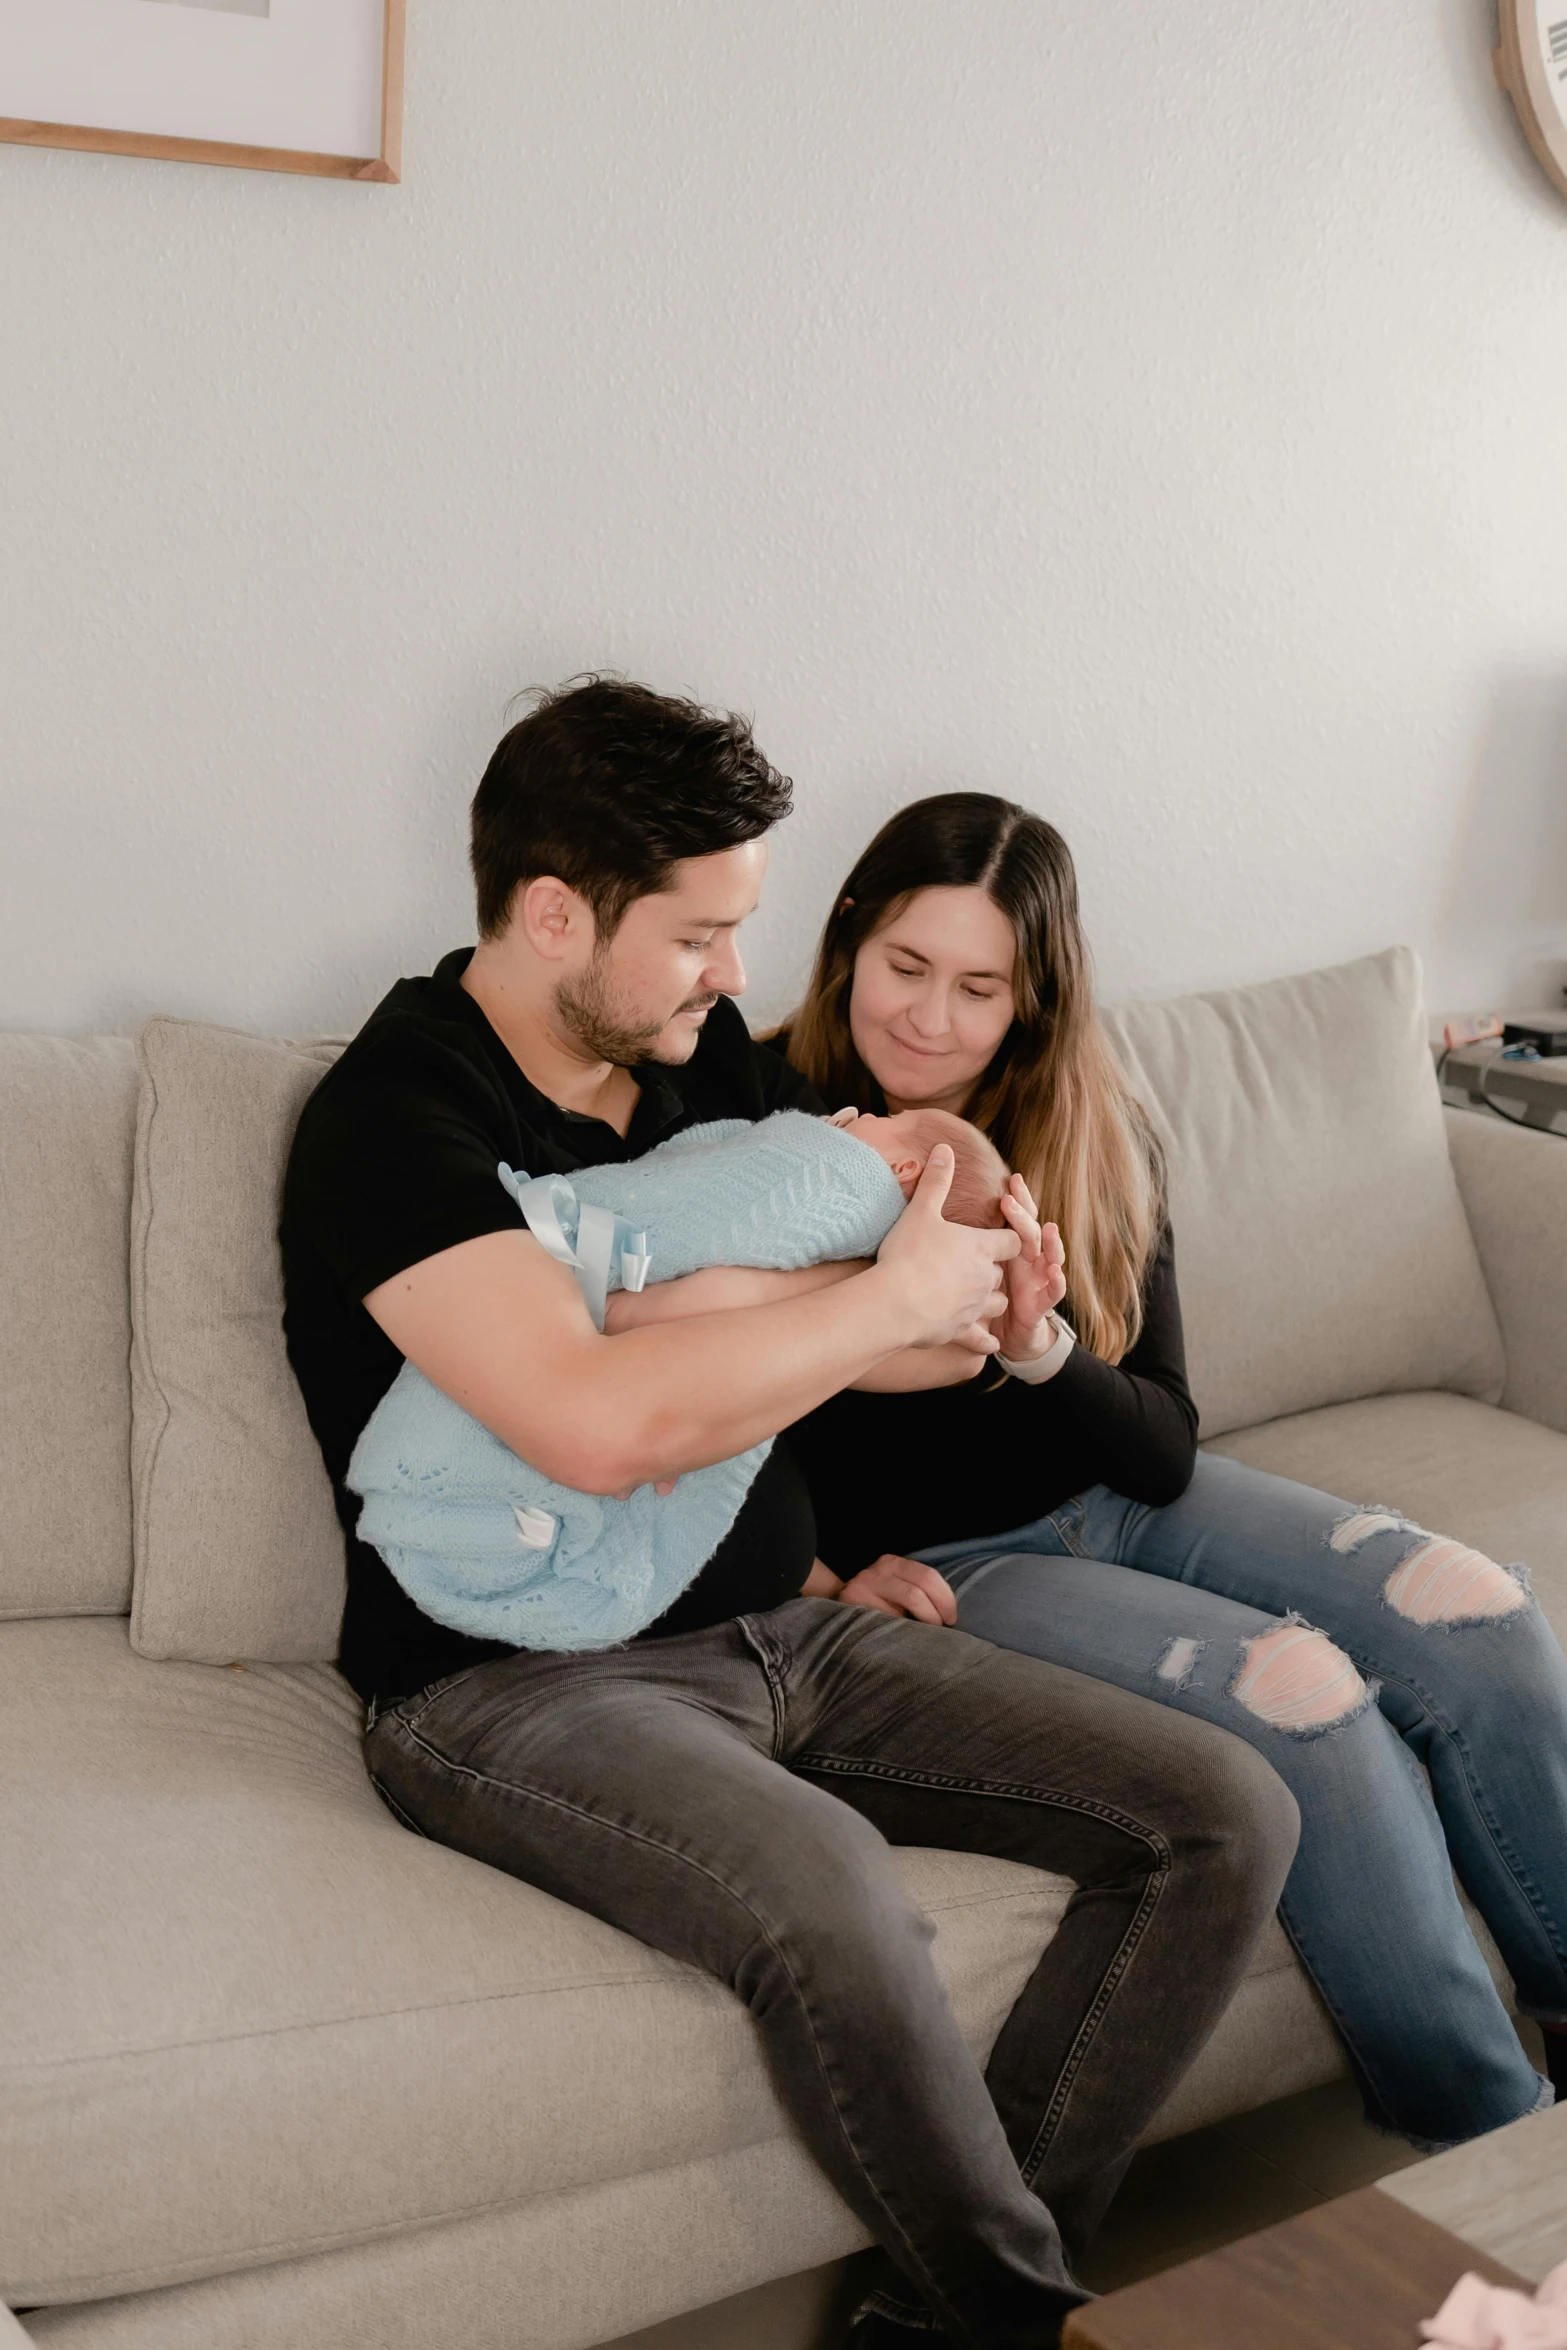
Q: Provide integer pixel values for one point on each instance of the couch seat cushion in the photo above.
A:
(1456, 1466)
(244, 2014)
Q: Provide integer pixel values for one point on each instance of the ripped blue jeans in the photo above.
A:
(1351, 1648)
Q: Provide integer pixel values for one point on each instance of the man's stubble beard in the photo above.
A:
(600, 1026)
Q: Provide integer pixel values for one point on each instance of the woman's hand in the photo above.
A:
(1035, 1280)
(902, 1587)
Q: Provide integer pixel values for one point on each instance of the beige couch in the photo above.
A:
(274, 2072)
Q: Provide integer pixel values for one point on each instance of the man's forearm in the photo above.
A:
(723, 1288)
(683, 1394)
(720, 1289)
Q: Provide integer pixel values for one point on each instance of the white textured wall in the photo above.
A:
(1157, 414)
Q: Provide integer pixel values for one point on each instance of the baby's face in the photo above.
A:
(890, 1139)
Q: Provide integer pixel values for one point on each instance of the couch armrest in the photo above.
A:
(1513, 1183)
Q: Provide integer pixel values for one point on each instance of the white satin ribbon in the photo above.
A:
(547, 1203)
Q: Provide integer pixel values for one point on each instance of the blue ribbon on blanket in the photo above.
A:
(592, 1241)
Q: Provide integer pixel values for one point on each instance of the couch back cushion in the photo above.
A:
(1321, 1245)
(67, 1115)
(238, 1550)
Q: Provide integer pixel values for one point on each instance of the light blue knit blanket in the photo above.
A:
(483, 1542)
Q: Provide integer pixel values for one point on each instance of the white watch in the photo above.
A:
(1042, 1367)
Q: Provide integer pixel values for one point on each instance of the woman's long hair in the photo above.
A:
(1053, 1100)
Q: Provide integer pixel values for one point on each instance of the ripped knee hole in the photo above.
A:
(1293, 1678)
(1444, 1582)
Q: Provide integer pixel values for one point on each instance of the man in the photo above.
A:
(727, 1786)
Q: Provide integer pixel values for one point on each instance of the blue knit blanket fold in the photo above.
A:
(487, 1544)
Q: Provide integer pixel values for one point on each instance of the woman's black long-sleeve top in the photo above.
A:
(901, 1472)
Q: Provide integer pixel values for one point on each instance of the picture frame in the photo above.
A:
(1531, 65)
(311, 86)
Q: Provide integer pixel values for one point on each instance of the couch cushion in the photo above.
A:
(1321, 1244)
(1459, 1467)
(238, 1548)
(244, 2015)
(67, 1112)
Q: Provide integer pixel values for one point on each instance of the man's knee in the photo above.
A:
(831, 1887)
(1236, 1816)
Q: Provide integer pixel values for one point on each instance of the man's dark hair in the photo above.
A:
(610, 785)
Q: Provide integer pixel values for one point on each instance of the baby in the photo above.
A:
(906, 1140)
(484, 1542)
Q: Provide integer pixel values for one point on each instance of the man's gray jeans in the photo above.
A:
(730, 1796)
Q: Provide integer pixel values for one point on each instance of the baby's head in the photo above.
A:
(906, 1140)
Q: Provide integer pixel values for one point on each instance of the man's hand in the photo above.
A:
(902, 1587)
(948, 1276)
(1035, 1279)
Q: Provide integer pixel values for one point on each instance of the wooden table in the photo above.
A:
(1360, 2273)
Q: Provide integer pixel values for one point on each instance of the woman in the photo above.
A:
(1070, 1515)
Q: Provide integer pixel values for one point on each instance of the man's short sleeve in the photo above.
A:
(396, 1155)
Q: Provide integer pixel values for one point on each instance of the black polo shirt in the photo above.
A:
(395, 1159)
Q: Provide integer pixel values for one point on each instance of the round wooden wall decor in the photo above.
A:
(1531, 65)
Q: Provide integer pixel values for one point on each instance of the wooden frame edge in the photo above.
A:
(383, 170)
(394, 42)
(1517, 71)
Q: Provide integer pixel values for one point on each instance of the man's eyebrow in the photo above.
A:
(1001, 978)
(716, 921)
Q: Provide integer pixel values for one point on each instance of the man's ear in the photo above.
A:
(553, 917)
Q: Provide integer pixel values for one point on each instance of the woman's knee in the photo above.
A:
(1435, 1580)
(1294, 1679)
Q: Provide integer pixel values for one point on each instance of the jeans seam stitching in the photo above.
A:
(427, 1697)
(395, 1808)
(772, 1673)
(1078, 2054)
(1020, 1790)
(1125, 1949)
(1452, 1736)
